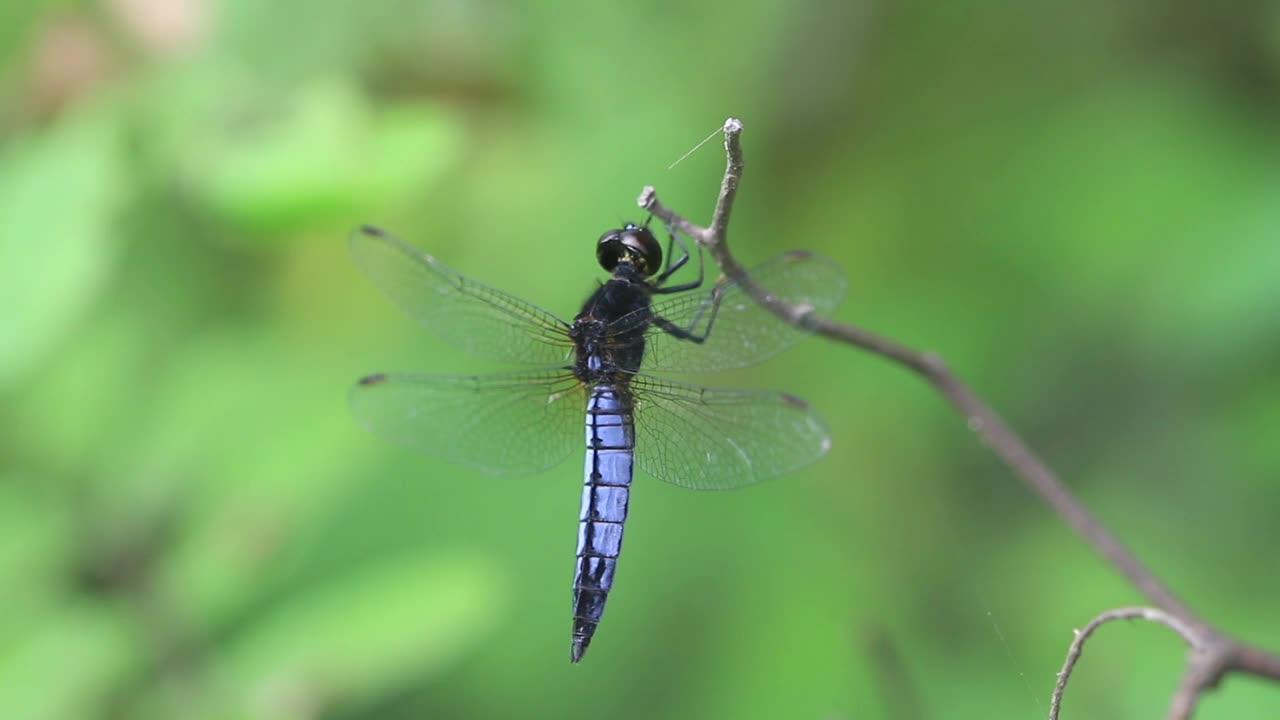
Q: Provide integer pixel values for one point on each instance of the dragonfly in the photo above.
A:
(599, 379)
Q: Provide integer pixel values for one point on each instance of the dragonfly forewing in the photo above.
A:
(464, 312)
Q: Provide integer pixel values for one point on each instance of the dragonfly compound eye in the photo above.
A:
(632, 243)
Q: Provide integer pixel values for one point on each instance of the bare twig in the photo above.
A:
(1188, 633)
(1221, 654)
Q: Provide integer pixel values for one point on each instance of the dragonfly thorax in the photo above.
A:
(609, 333)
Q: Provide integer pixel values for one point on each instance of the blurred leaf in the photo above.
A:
(16, 19)
(66, 666)
(261, 465)
(62, 188)
(72, 417)
(318, 157)
(33, 556)
(1232, 304)
(404, 618)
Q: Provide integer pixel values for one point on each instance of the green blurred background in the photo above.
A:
(1077, 204)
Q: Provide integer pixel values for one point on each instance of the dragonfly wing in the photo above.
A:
(740, 331)
(717, 439)
(504, 423)
(464, 312)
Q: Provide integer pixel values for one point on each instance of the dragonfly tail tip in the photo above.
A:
(578, 649)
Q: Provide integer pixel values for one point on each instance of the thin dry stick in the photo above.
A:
(1187, 632)
(1205, 669)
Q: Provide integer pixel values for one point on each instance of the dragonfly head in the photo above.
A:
(633, 244)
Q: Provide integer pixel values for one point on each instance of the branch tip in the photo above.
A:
(647, 197)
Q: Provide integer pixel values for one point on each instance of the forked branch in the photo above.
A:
(1217, 654)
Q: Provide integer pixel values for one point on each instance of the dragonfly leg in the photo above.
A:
(672, 266)
(691, 333)
(675, 265)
